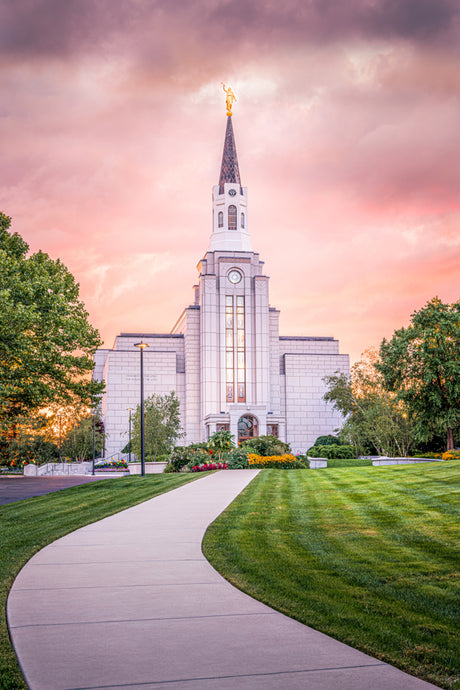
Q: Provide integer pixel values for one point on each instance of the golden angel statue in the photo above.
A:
(230, 97)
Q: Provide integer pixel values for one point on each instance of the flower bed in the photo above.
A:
(281, 462)
(209, 466)
(113, 466)
(451, 455)
(111, 469)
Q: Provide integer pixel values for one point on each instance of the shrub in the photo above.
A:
(266, 445)
(426, 455)
(237, 459)
(220, 442)
(178, 459)
(332, 451)
(286, 461)
(163, 457)
(328, 440)
(195, 454)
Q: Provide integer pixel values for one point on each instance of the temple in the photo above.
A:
(224, 357)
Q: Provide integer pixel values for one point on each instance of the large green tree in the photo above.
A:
(162, 425)
(375, 420)
(421, 364)
(46, 341)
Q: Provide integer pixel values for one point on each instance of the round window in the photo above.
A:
(234, 276)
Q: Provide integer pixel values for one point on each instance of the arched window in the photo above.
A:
(247, 428)
(220, 219)
(242, 220)
(232, 217)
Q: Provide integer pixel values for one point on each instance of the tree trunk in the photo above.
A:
(450, 439)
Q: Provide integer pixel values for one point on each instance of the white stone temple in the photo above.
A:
(224, 357)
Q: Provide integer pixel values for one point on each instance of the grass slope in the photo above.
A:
(367, 555)
(27, 526)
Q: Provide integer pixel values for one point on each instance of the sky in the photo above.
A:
(347, 126)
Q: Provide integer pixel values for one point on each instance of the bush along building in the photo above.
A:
(224, 357)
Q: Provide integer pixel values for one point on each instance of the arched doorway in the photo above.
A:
(247, 428)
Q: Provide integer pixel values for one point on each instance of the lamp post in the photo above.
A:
(141, 346)
(93, 414)
(60, 455)
(130, 409)
(405, 428)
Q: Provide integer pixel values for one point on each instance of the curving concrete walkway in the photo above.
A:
(131, 603)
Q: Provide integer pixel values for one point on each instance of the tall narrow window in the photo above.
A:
(220, 219)
(229, 350)
(240, 350)
(232, 215)
(235, 349)
(242, 220)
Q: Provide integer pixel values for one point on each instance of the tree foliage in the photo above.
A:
(421, 365)
(78, 441)
(46, 341)
(162, 425)
(375, 419)
(30, 440)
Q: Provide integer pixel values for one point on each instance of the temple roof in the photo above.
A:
(229, 170)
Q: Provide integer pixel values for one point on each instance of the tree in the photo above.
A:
(33, 441)
(78, 442)
(162, 425)
(421, 364)
(46, 341)
(375, 419)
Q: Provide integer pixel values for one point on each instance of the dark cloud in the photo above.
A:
(410, 19)
(60, 28)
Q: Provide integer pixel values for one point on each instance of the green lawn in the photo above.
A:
(335, 463)
(27, 526)
(367, 555)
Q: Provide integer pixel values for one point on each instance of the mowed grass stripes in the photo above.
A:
(367, 555)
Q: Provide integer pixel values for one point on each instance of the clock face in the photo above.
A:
(234, 276)
(232, 192)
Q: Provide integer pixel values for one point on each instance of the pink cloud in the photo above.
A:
(347, 134)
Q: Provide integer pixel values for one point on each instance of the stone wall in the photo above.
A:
(307, 414)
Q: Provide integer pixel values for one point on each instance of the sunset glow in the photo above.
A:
(347, 130)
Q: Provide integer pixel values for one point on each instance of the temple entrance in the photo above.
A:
(247, 428)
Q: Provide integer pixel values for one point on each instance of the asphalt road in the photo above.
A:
(17, 488)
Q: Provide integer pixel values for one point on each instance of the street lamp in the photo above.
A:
(405, 428)
(93, 414)
(141, 346)
(130, 409)
(60, 456)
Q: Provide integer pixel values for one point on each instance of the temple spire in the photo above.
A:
(229, 198)
(229, 170)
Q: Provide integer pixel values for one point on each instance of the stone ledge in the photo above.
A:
(403, 461)
(317, 463)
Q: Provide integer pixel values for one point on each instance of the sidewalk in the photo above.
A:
(130, 602)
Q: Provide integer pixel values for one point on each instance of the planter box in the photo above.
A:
(150, 467)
